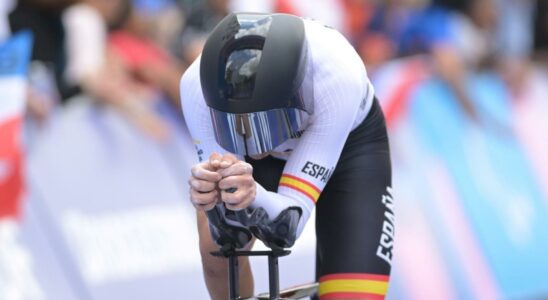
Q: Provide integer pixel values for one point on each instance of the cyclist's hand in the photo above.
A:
(204, 193)
(237, 184)
(218, 161)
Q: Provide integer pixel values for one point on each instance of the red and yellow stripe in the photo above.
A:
(301, 185)
(353, 286)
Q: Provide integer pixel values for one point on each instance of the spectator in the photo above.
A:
(144, 60)
(200, 21)
(541, 30)
(43, 18)
(358, 14)
(515, 41)
(162, 20)
(5, 7)
(459, 35)
(384, 33)
(98, 70)
(514, 35)
(329, 12)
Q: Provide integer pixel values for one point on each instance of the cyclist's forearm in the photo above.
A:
(216, 269)
(275, 203)
(216, 278)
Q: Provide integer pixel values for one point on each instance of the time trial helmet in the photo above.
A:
(251, 71)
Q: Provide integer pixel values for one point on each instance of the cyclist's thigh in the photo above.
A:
(355, 225)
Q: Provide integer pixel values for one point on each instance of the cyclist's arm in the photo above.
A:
(199, 124)
(196, 113)
(343, 93)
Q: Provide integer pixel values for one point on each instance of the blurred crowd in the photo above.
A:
(127, 54)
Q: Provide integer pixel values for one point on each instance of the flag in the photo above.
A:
(14, 58)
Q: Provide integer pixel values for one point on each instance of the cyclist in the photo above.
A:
(284, 119)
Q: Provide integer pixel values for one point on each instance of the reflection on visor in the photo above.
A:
(256, 133)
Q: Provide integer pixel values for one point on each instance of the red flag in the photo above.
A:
(11, 168)
(14, 59)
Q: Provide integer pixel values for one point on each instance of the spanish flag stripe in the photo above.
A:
(367, 296)
(300, 190)
(300, 185)
(352, 296)
(353, 286)
(355, 276)
(302, 181)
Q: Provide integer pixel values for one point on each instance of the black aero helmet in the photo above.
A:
(251, 71)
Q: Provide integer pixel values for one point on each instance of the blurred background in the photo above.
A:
(94, 154)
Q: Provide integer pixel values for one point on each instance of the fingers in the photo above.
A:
(238, 182)
(201, 186)
(238, 168)
(215, 160)
(244, 194)
(239, 200)
(204, 201)
(228, 159)
(218, 161)
(201, 171)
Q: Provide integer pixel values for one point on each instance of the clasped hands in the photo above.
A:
(222, 178)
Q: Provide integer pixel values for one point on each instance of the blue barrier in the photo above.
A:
(495, 185)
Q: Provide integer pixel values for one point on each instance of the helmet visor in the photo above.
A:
(258, 132)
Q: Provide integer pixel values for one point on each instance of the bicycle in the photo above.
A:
(234, 239)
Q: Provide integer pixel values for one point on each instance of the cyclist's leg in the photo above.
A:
(354, 218)
(216, 268)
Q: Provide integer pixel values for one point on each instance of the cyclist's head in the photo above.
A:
(251, 70)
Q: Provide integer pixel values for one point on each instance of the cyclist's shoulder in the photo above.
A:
(191, 75)
(324, 39)
(331, 54)
(190, 90)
